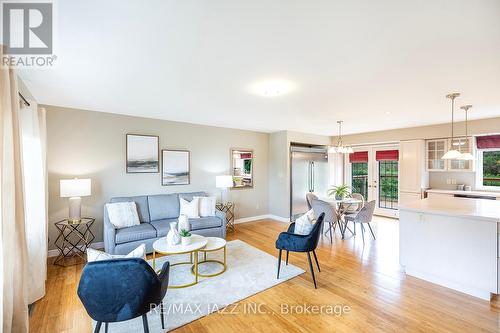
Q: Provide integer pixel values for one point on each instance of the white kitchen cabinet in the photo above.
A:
(413, 176)
(435, 150)
(464, 146)
(452, 251)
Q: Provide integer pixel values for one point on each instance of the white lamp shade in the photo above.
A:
(451, 155)
(74, 187)
(225, 181)
(466, 157)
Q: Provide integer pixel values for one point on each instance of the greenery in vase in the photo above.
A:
(184, 233)
(340, 192)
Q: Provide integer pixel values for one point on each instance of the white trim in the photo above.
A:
(100, 245)
(55, 252)
(479, 172)
(470, 290)
(261, 217)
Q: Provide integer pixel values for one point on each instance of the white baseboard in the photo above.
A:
(100, 245)
(55, 252)
(262, 217)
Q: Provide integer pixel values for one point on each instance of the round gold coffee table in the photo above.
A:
(213, 244)
(197, 242)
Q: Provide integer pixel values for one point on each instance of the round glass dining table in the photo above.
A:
(341, 208)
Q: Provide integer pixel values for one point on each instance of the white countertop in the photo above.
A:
(481, 209)
(489, 194)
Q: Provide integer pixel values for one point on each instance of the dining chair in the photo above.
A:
(122, 289)
(364, 216)
(355, 208)
(289, 241)
(322, 207)
(309, 198)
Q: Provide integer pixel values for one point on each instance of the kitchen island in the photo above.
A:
(453, 242)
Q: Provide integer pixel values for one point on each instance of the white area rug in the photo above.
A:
(249, 271)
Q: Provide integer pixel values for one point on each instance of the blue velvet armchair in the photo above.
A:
(122, 289)
(300, 243)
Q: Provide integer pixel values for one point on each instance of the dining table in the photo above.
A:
(341, 208)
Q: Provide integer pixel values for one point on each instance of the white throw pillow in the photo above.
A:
(123, 214)
(207, 206)
(96, 255)
(305, 223)
(190, 209)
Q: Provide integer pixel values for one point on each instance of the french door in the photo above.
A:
(374, 172)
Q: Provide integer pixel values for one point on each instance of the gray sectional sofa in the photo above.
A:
(155, 213)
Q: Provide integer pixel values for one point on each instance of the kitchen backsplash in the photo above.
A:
(439, 180)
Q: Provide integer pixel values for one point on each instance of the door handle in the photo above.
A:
(312, 178)
(309, 177)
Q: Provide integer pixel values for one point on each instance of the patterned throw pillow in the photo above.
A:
(96, 255)
(123, 214)
(305, 223)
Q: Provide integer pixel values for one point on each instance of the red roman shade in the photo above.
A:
(387, 155)
(359, 157)
(488, 141)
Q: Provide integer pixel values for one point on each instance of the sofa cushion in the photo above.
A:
(205, 222)
(191, 195)
(141, 203)
(135, 233)
(162, 226)
(163, 206)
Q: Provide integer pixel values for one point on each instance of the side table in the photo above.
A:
(227, 208)
(73, 240)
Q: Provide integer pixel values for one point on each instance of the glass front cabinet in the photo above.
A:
(436, 149)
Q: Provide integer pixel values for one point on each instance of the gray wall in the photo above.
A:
(279, 167)
(92, 144)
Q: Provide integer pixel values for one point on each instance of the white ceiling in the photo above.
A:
(197, 60)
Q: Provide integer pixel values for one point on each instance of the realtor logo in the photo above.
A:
(27, 27)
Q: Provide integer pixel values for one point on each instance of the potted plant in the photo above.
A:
(185, 237)
(340, 191)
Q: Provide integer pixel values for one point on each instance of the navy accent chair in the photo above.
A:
(122, 289)
(300, 243)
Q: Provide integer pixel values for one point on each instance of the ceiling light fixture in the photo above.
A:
(272, 88)
(452, 154)
(466, 156)
(339, 147)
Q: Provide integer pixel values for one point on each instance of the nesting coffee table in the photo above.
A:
(198, 244)
(213, 244)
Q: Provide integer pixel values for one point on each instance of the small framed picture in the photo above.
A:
(175, 167)
(142, 153)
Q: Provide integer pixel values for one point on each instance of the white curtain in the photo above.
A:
(32, 129)
(23, 205)
(13, 268)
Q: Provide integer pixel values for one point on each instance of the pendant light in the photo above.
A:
(339, 147)
(452, 154)
(466, 156)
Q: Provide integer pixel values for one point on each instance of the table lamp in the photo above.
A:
(224, 182)
(74, 189)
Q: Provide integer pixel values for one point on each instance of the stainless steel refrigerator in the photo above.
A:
(309, 173)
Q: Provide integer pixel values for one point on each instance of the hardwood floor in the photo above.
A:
(364, 277)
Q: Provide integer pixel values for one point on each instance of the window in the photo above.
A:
(359, 179)
(489, 168)
(388, 184)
